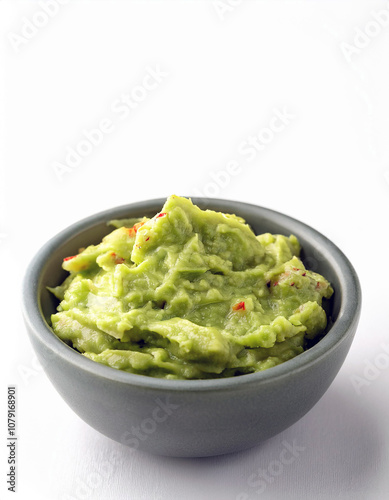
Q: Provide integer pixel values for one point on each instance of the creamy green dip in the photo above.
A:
(190, 294)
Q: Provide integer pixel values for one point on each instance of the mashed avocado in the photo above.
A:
(190, 294)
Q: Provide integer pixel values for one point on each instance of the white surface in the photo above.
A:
(225, 78)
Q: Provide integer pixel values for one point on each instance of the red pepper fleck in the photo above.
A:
(275, 283)
(137, 226)
(118, 260)
(303, 274)
(318, 284)
(68, 258)
(147, 239)
(296, 269)
(162, 214)
(239, 306)
(133, 230)
(292, 284)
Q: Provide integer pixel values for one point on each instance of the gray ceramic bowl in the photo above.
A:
(191, 418)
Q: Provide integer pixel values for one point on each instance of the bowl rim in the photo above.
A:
(347, 319)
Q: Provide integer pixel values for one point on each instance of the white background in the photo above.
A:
(227, 71)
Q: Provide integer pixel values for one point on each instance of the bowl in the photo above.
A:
(191, 418)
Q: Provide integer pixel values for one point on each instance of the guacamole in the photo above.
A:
(190, 294)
